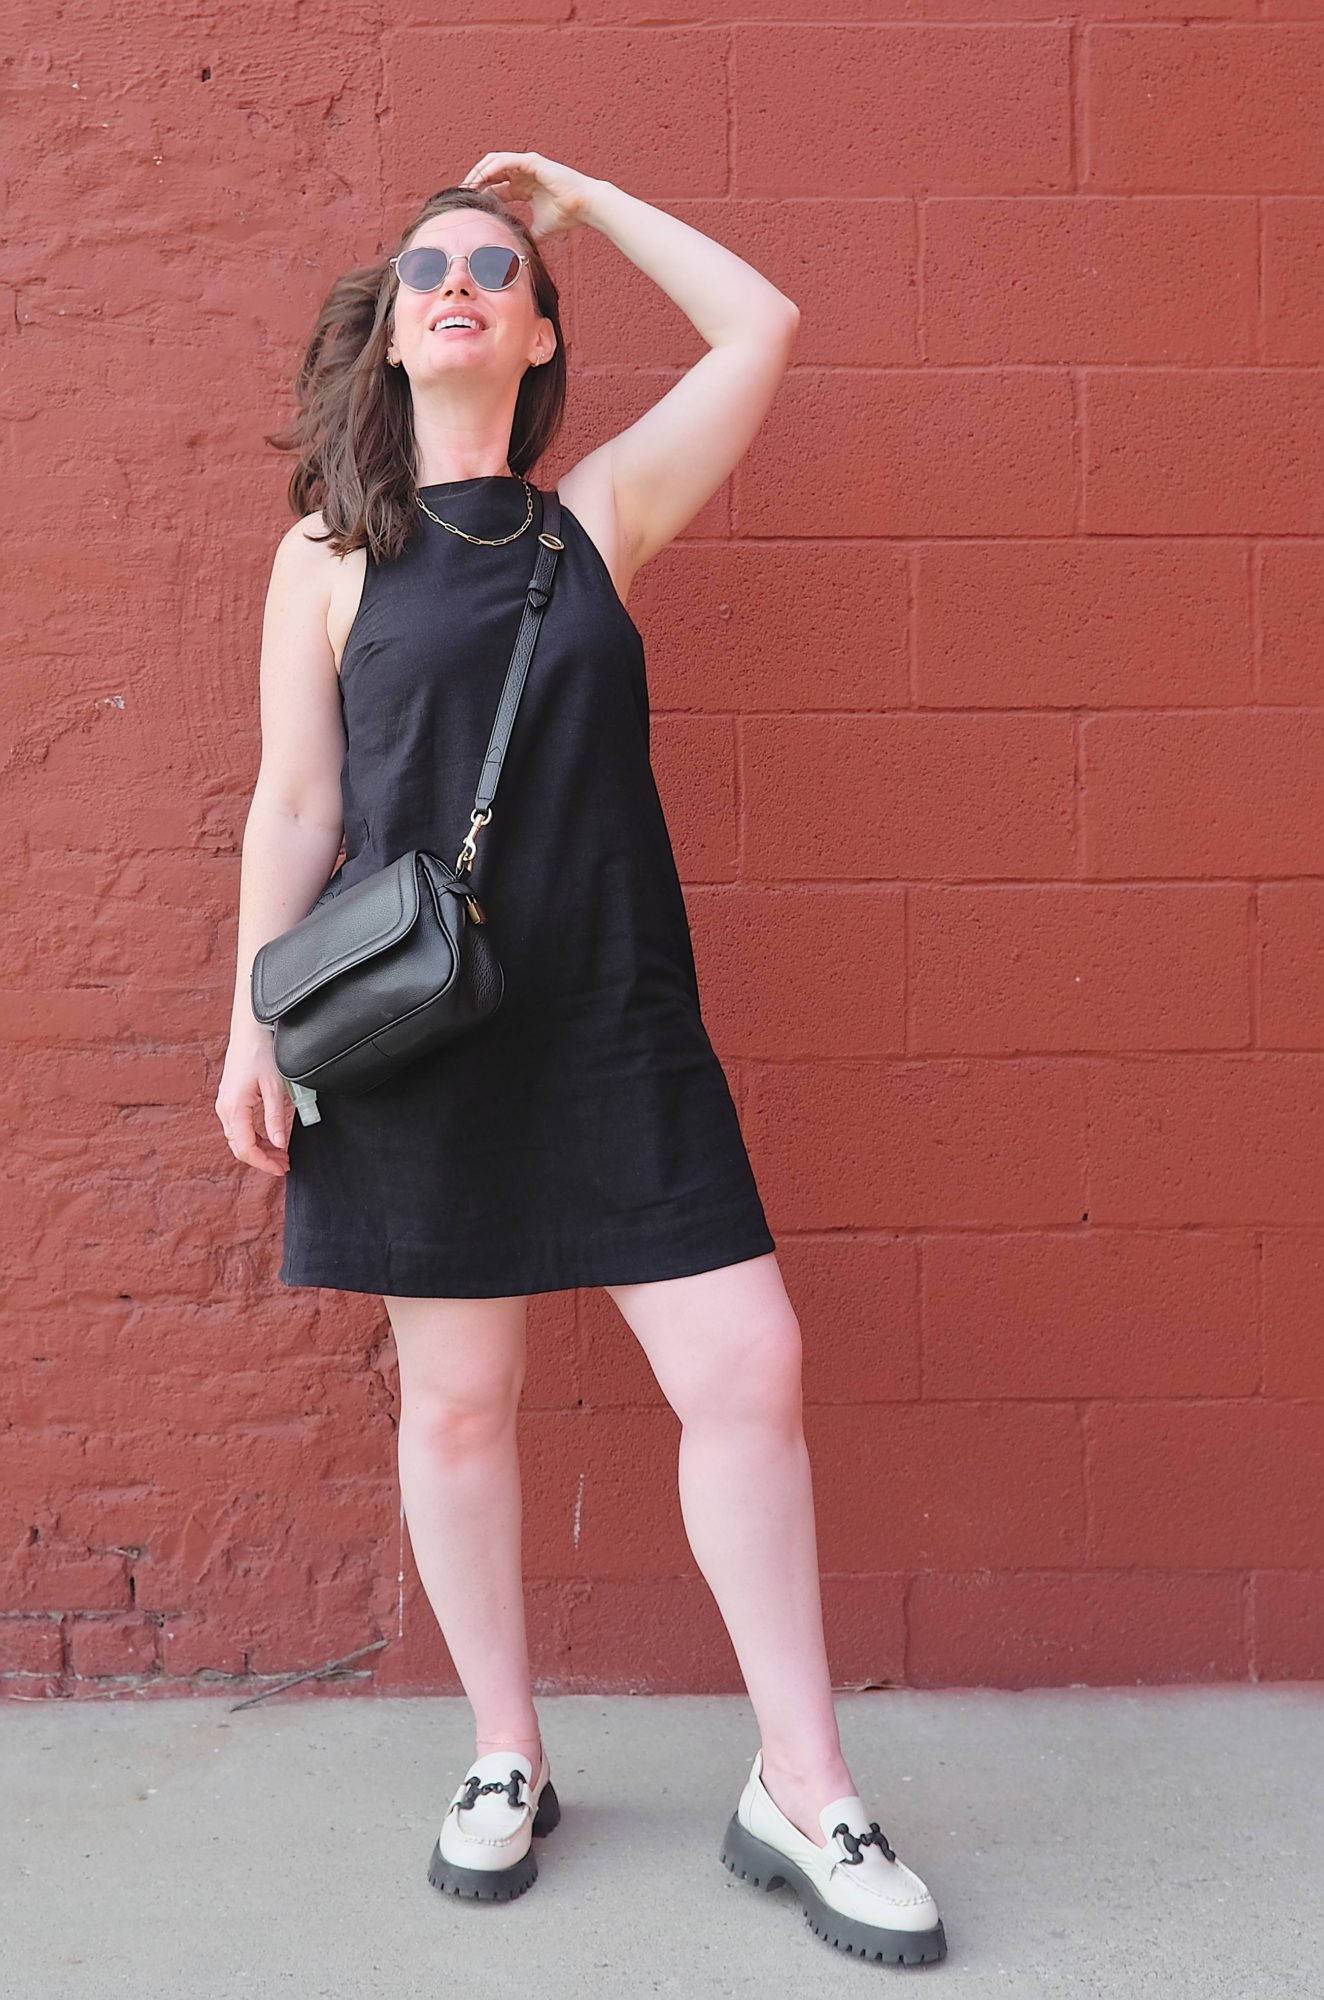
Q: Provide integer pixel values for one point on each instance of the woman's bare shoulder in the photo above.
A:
(304, 538)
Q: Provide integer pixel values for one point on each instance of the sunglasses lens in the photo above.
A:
(421, 269)
(494, 267)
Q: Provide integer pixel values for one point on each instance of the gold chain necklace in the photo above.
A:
(488, 541)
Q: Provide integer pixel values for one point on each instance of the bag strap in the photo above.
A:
(535, 603)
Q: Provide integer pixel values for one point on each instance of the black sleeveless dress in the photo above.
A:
(584, 1133)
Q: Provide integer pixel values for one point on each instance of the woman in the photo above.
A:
(585, 1135)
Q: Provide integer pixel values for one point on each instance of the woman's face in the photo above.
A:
(511, 332)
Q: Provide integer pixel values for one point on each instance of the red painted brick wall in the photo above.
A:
(990, 722)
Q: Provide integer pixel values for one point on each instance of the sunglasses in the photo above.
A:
(493, 266)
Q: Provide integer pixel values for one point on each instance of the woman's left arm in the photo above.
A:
(669, 463)
(724, 298)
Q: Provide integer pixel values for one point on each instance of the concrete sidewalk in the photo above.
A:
(1078, 1841)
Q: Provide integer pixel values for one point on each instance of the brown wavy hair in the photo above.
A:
(354, 431)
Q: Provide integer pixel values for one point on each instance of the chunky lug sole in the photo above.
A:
(496, 1885)
(755, 1862)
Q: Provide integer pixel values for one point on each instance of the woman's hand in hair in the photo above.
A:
(560, 196)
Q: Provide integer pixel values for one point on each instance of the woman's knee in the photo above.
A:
(461, 1366)
(750, 1373)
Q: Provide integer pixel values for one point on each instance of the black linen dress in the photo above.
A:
(584, 1133)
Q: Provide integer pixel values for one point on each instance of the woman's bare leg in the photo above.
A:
(725, 1348)
(461, 1372)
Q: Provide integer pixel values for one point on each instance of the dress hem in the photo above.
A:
(619, 1266)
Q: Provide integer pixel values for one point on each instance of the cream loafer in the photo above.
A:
(854, 1891)
(485, 1846)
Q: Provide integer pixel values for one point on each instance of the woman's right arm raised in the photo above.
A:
(294, 828)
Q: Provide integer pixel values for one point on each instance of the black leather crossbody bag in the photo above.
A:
(394, 966)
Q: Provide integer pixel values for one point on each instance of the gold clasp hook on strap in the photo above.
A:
(464, 859)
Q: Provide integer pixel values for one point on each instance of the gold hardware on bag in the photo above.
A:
(468, 850)
(475, 909)
(551, 540)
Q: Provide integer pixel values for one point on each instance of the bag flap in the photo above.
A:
(356, 924)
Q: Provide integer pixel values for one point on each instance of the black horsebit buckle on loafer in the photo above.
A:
(856, 1841)
(510, 1787)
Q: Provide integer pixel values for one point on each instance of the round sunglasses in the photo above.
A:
(493, 266)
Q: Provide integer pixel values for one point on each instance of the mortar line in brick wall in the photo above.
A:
(738, 791)
(920, 1058)
(907, 997)
(1253, 950)
(1077, 107)
(1203, 1399)
(1261, 1311)
(905, 538)
(907, 1587)
(1072, 711)
(912, 623)
(845, 884)
(730, 107)
(918, 1300)
(1052, 369)
(1078, 794)
(1255, 619)
(1086, 1490)
(1257, 337)
(1085, 1137)
(1079, 526)
(918, 253)
(1250, 1614)
(917, 1232)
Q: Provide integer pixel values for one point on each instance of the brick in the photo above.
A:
(902, 104)
(30, 1646)
(100, 1648)
(838, 454)
(864, 1622)
(1294, 1314)
(656, 1635)
(1208, 1485)
(1173, 795)
(1025, 624)
(1262, 428)
(693, 759)
(1291, 591)
(1198, 107)
(524, 67)
(857, 1301)
(1005, 971)
(873, 319)
(1052, 278)
(760, 955)
(1090, 1312)
(1293, 257)
(202, 1643)
(1126, 1628)
(1291, 965)
(601, 1494)
(32, 1687)
(911, 1145)
(908, 796)
(1289, 1625)
(41, 1577)
(915, 1486)
(1177, 1141)
(734, 627)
